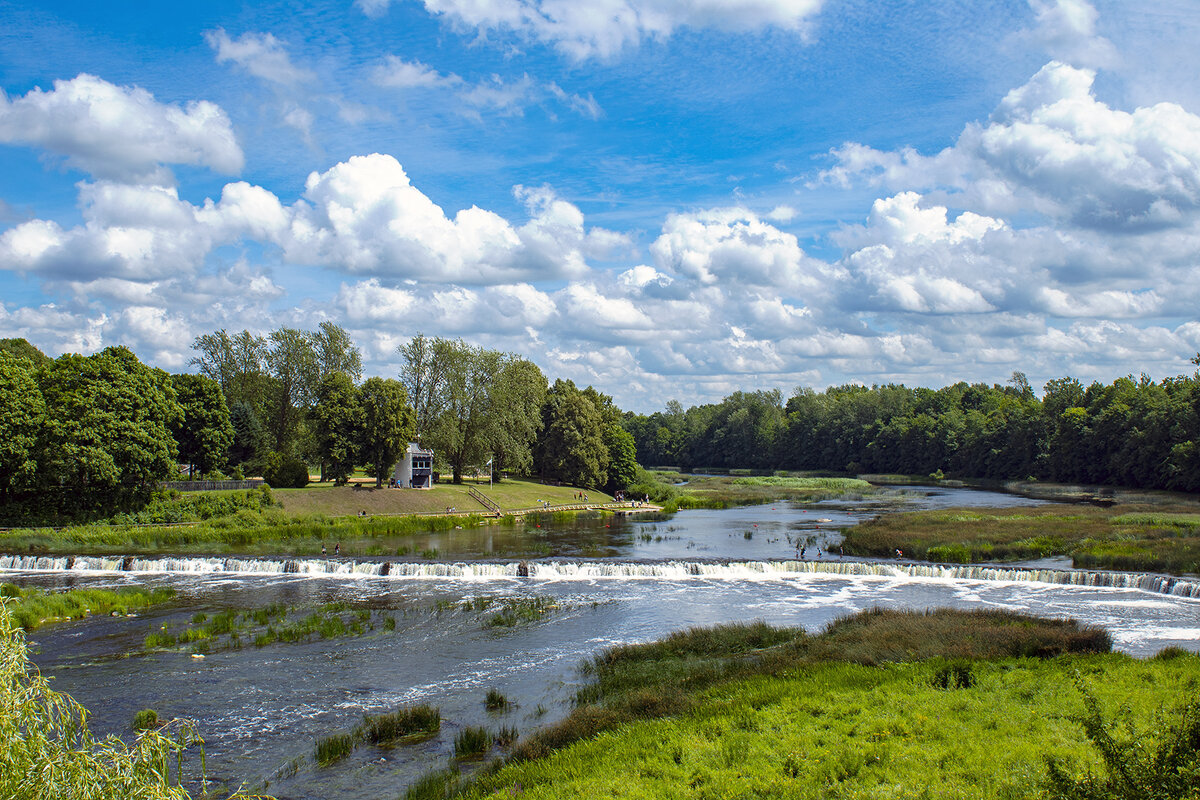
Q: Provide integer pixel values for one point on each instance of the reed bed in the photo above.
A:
(32, 608)
(1133, 538)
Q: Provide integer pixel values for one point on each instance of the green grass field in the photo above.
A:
(947, 704)
(511, 495)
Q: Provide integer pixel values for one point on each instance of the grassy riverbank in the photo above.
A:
(292, 521)
(1161, 538)
(883, 704)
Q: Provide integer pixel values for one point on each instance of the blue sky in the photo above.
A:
(666, 200)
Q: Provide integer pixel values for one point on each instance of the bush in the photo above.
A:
(145, 720)
(285, 472)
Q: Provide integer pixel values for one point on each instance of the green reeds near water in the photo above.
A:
(1131, 538)
(972, 703)
(409, 723)
(473, 742)
(32, 608)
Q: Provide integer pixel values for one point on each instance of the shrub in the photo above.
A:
(285, 472)
(145, 720)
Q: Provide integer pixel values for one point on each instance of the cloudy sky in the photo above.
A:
(667, 199)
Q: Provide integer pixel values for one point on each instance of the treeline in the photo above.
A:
(87, 436)
(1131, 432)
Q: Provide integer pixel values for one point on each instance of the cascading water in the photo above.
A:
(589, 570)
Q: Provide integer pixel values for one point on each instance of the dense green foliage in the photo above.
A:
(472, 403)
(385, 425)
(336, 423)
(1132, 432)
(583, 443)
(203, 430)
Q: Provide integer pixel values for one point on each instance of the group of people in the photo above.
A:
(337, 549)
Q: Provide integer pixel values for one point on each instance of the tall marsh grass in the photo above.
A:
(32, 608)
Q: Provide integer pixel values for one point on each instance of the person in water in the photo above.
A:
(322, 549)
(337, 549)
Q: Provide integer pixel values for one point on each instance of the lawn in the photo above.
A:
(510, 495)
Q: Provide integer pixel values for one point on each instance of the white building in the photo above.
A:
(414, 470)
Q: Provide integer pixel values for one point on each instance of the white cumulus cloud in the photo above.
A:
(120, 133)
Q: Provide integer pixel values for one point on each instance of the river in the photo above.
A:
(609, 581)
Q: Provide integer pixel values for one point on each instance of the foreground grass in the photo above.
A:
(32, 608)
(1123, 537)
(757, 711)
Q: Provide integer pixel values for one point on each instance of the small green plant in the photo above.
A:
(506, 736)
(954, 675)
(472, 742)
(145, 720)
(335, 747)
(423, 720)
(496, 701)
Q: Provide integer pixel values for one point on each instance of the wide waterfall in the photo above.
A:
(588, 570)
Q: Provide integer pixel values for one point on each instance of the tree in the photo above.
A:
(294, 371)
(516, 417)
(203, 432)
(386, 425)
(572, 447)
(622, 458)
(236, 363)
(336, 352)
(109, 421)
(22, 420)
(336, 422)
(21, 348)
(250, 443)
(424, 378)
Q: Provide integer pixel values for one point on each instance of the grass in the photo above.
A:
(32, 608)
(408, 724)
(496, 701)
(881, 704)
(472, 742)
(145, 720)
(1123, 537)
(674, 490)
(269, 625)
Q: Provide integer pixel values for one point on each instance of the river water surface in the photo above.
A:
(260, 709)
